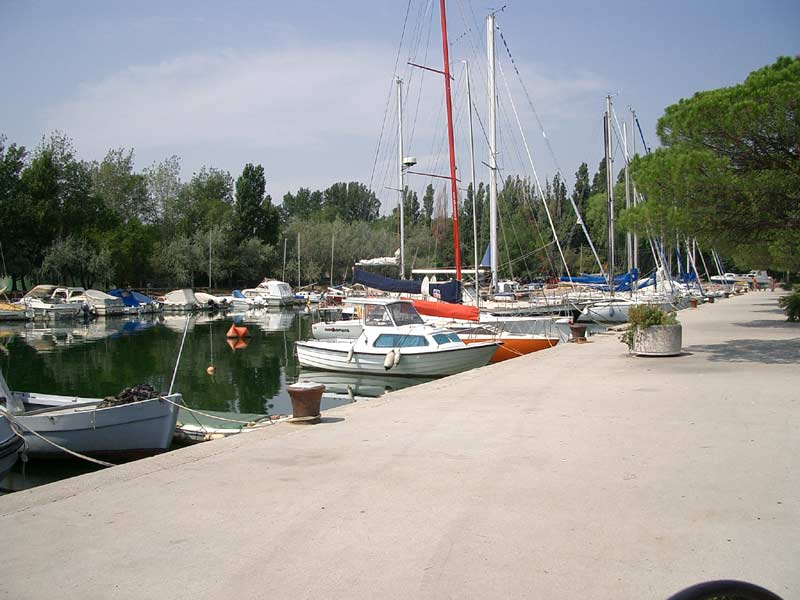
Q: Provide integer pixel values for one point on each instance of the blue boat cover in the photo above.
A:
(131, 297)
(237, 294)
(449, 291)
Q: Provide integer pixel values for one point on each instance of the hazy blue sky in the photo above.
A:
(302, 87)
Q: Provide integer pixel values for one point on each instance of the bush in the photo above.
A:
(791, 305)
(643, 316)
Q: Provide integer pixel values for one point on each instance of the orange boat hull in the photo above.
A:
(512, 346)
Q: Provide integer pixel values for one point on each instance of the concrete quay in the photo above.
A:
(578, 472)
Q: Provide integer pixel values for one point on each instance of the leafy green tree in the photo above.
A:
(302, 205)
(350, 202)
(16, 237)
(427, 204)
(729, 169)
(163, 181)
(123, 191)
(75, 260)
(255, 214)
(599, 184)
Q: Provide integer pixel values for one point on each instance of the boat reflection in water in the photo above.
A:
(269, 321)
(356, 386)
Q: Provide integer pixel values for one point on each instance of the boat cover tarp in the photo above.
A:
(387, 284)
(599, 279)
(238, 294)
(449, 291)
(184, 296)
(131, 297)
(446, 309)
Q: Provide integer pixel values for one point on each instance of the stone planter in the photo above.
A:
(306, 398)
(658, 340)
(578, 332)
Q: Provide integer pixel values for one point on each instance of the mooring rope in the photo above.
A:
(16, 422)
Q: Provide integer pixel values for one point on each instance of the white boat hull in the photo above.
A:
(10, 445)
(350, 329)
(322, 355)
(615, 312)
(135, 429)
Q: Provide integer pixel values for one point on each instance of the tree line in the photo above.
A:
(728, 174)
(103, 223)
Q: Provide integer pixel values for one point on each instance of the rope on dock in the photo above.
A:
(218, 418)
(16, 422)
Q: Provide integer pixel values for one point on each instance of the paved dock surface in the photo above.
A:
(578, 472)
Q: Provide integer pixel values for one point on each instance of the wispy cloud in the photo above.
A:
(310, 115)
(277, 99)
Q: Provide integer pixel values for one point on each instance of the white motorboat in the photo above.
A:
(237, 301)
(44, 306)
(10, 445)
(272, 292)
(615, 310)
(102, 304)
(92, 426)
(395, 341)
(307, 297)
(212, 302)
(179, 301)
(340, 322)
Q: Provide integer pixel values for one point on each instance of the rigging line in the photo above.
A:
(422, 74)
(536, 177)
(549, 148)
(389, 96)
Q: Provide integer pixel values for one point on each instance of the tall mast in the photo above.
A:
(628, 239)
(609, 194)
(492, 150)
(635, 202)
(401, 177)
(283, 272)
(474, 189)
(298, 260)
(449, 104)
(333, 239)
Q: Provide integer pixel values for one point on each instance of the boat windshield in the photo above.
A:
(377, 315)
(404, 313)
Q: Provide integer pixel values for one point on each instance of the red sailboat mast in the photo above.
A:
(453, 182)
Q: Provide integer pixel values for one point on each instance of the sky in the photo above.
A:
(306, 88)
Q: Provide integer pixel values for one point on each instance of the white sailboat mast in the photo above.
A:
(628, 237)
(401, 177)
(610, 194)
(474, 189)
(492, 150)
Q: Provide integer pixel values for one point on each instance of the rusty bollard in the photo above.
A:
(306, 398)
(693, 302)
(578, 333)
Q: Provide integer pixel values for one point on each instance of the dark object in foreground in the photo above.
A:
(725, 589)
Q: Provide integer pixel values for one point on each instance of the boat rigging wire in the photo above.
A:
(389, 97)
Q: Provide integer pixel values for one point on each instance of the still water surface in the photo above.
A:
(102, 357)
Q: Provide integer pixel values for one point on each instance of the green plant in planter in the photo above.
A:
(643, 316)
(791, 305)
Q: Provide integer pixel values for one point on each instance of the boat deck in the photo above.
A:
(579, 472)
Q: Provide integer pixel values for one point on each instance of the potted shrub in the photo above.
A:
(652, 331)
(791, 305)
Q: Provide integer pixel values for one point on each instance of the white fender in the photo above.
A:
(396, 357)
(389, 361)
(350, 353)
